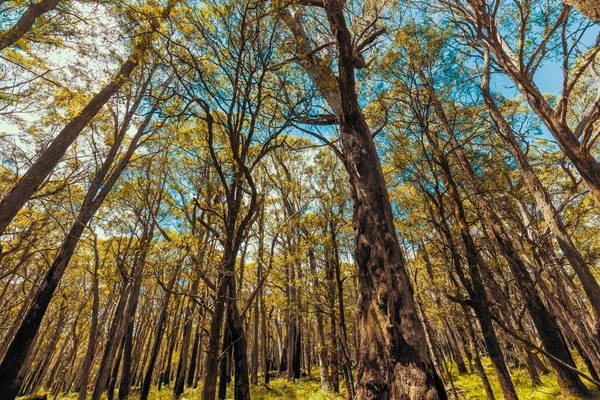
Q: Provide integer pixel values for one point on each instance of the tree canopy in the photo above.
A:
(312, 199)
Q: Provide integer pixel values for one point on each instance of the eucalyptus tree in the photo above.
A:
(46, 162)
(589, 8)
(393, 361)
(229, 71)
(102, 182)
(518, 50)
(25, 21)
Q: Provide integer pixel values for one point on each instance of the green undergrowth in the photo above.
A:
(305, 388)
(469, 386)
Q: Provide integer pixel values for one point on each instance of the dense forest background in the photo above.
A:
(314, 199)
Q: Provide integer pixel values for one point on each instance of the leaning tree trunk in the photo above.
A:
(542, 198)
(49, 158)
(97, 192)
(158, 334)
(475, 286)
(185, 344)
(513, 252)
(91, 348)
(24, 24)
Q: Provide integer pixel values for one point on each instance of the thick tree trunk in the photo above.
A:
(240, 356)
(393, 361)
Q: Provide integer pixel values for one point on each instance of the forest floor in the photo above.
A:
(468, 387)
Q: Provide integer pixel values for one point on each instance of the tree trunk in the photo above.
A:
(475, 287)
(129, 320)
(111, 345)
(322, 343)
(91, 348)
(393, 361)
(24, 24)
(513, 251)
(194, 357)
(158, 334)
(542, 198)
(97, 192)
(185, 344)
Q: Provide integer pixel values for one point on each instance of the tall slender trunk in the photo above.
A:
(322, 343)
(97, 192)
(211, 370)
(475, 287)
(194, 357)
(185, 344)
(111, 344)
(91, 348)
(477, 361)
(334, 361)
(49, 158)
(130, 312)
(255, 339)
(544, 202)
(158, 335)
(514, 253)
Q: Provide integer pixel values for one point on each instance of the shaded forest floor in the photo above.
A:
(468, 387)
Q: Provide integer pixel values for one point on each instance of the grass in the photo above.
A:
(468, 387)
(308, 388)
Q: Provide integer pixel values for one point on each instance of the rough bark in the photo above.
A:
(393, 361)
(589, 8)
